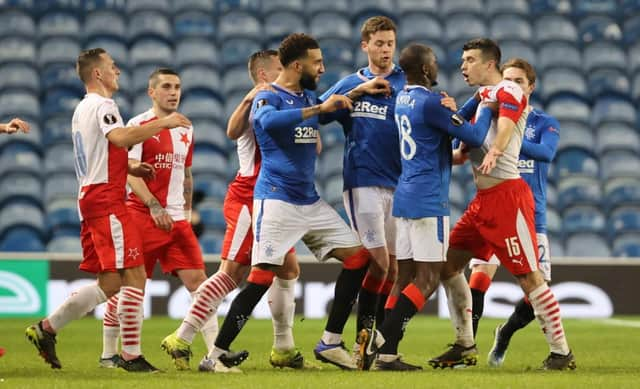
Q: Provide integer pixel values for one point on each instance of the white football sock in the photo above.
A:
(78, 304)
(547, 312)
(282, 303)
(460, 303)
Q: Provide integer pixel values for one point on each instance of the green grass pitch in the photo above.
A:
(607, 355)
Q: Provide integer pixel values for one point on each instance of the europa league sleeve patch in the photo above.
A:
(457, 120)
(261, 103)
(109, 119)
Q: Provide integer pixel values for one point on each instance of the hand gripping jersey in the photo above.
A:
(371, 156)
(101, 167)
(287, 144)
(512, 103)
(170, 151)
(539, 146)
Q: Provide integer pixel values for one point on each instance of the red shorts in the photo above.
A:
(238, 238)
(175, 250)
(500, 221)
(110, 243)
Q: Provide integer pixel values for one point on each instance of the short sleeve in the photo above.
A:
(189, 161)
(265, 99)
(511, 103)
(109, 116)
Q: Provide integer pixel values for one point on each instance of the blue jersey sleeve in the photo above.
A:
(469, 108)
(268, 116)
(544, 151)
(455, 125)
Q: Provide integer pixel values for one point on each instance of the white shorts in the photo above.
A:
(423, 240)
(369, 210)
(544, 258)
(278, 225)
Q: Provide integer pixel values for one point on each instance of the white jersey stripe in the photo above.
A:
(243, 223)
(117, 236)
(525, 240)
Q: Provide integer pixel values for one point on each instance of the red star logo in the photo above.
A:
(485, 93)
(184, 139)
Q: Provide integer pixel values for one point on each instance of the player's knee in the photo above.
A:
(356, 258)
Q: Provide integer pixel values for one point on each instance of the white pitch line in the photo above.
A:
(621, 323)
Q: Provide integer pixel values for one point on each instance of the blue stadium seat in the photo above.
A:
(275, 27)
(59, 24)
(333, 189)
(635, 89)
(60, 158)
(634, 57)
(115, 46)
(98, 5)
(236, 80)
(624, 219)
(621, 191)
(209, 160)
(458, 86)
(613, 109)
(209, 132)
(196, 51)
(602, 54)
(561, 80)
(58, 49)
(556, 247)
(337, 52)
(407, 8)
(554, 27)
(430, 29)
(450, 7)
(575, 134)
(211, 242)
(456, 194)
(201, 104)
(151, 51)
(365, 9)
(194, 24)
(552, 194)
(21, 239)
(19, 76)
(293, 6)
(244, 5)
(575, 161)
(608, 81)
(58, 75)
(568, 107)
(587, 245)
(333, 74)
(461, 27)
(141, 103)
(61, 185)
(631, 29)
(213, 186)
(317, 6)
(237, 51)
(554, 222)
(619, 163)
(19, 103)
(579, 190)
(238, 24)
(211, 215)
(627, 245)
(330, 161)
(208, 6)
(140, 80)
(550, 6)
(583, 218)
(599, 28)
(17, 49)
(31, 141)
(330, 25)
(519, 49)
(617, 136)
(123, 102)
(62, 218)
(509, 26)
(21, 214)
(455, 214)
(332, 135)
(60, 101)
(21, 187)
(554, 54)
(103, 23)
(231, 102)
(56, 129)
(149, 24)
(64, 244)
(629, 7)
(163, 6)
(519, 7)
(17, 22)
(200, 77)
(586, 7)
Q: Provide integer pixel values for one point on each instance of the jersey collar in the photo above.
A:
(366, 74)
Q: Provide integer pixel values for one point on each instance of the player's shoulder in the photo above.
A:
(544, 119)
(509, 87)
(348, 82)
(267, 97)
(142, 118)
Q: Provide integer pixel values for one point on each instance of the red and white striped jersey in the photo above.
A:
(101, 166)
(512, 103)
(249, 157)
(170, 151)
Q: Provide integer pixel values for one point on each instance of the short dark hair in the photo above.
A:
(413, 57)
(87, 60)
(488, 49)
(523, 65)
(375, 24)
(153, 78)
(295, 46)
(259, 58)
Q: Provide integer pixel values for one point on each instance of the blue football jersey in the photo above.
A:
(287, 144)
(371, 151)
(539, 145)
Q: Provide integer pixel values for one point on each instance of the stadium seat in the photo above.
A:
(17, 49)
(318, 6)
(145, 24)
(624, 219)
(239, 24)
(59, 24)
(585, 245)
(194, 24)
(151, 51)
(124, 104)
(333, 74)
(621, 191)
(602, 54)
(575, 161)
(583, 218)
(407, 8)
(337, 52)
(196, 51)
(519, 49)
(58, 49)
(19, 76)
(458, 86)
(236, 80)
(558, 54)
(579, 190)
(214, 187)
(60, 101)
(211, 242)
(24, 160)
(292, 6)
(635, 89)
(450, 7)
(456, 194)
(21, 214)
(519, 7)
(163, 6)
(208, 6)
(210, 160)
(200, 78)
(556, 248)
(430, 29)
(508, 26)
(105, 23)
(617, 136)
(64, 244)
(332, 135)
(575, 134)
(333, 189)
(21, 239)
(276, 29)
(115, 46)
(613, 109)
(366, 9)
(330, 161)
(631, 29)
(585, 7)
(552, 194)
(554, 222)
(554, 27)
(201, 104)
(140, 80)
(608, 81)
(211, 215)
(209, 132)
(599, 28)
(55, 76)
(561, 80)
(60, 158)
(619, 163)
(57, 129)
(30, 141)
(634, 57)
(21, 187)
(461, 27)
(17, 22)
(627, 245)
(568, 106)
(19, 103)
(61, 185)
(330, 25)
(237, 51)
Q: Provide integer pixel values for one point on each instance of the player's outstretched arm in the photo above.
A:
(15, 125)
(188, 193)
(141, 190)
(129, 136)
(438, 116)
(544, 151)
(239, 121)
